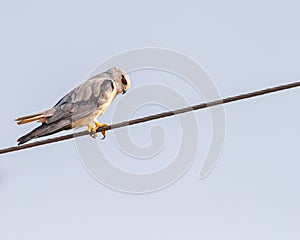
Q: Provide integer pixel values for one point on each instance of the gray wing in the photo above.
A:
(82, 101)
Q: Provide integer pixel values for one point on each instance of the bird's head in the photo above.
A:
(121, 79)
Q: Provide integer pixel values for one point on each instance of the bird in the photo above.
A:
(80, 107)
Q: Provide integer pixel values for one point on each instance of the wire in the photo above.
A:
(156, 116)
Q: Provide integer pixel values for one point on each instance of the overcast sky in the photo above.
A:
(49, 47)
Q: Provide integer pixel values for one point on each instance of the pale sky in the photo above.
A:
(49, 47)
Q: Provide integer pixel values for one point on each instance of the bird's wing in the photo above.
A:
(83, 100)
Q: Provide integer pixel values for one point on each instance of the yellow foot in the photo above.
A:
(92, 130)
(98, 125)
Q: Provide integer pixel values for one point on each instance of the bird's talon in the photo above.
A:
(99, 125)
(93, 134)
(104, 135)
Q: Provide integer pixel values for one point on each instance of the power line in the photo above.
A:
(156, 116)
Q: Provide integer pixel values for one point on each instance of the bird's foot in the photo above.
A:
(92, 130)
(93, 134)
(99, 125)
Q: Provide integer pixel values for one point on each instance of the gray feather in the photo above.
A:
(82, 101)
(45, 129)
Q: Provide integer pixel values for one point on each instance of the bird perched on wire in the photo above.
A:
(80, 107)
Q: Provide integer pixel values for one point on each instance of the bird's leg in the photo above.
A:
(90, 127)
(98, 125)
(91, 130)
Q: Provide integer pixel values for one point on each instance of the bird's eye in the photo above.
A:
(124, 81)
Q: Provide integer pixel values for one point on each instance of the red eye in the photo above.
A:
(124, 80)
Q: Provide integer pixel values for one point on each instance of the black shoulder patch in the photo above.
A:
(107, 84)
(112, 85)
(106, 89)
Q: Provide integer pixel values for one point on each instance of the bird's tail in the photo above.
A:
(40, 117)
(45, 129)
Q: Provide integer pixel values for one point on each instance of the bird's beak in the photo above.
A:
(124, 91)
